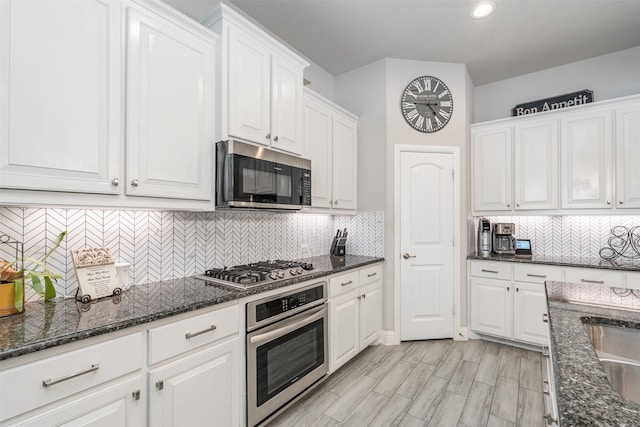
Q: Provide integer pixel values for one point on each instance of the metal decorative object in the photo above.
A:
(623, 243)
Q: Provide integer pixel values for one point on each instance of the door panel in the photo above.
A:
(426, 223)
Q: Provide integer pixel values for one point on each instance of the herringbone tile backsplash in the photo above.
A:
(165, 245)
(570, 236)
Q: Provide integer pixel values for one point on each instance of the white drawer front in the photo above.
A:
(170, 340)
(491, 269)
(23, 388)
(343, 283)
(536, 273)
(370, 274)
(594, 276)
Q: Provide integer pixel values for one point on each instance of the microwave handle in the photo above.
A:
(290, 326)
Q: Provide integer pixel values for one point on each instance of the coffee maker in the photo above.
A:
(503, 241)
(484, 237)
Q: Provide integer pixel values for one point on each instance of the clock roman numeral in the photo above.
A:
(437, 84)
(408, 92)
(445, 114)
(429, 124)
(418, 86)
(445, 104)
(438, 120)
(408, 105)
(443, 94)
(412, 114)
(427, 83)
(420, 122)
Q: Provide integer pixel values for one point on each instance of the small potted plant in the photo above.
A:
(35, 273)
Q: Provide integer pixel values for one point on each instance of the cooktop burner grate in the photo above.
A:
(256, 273)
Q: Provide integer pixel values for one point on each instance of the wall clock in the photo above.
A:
(427, 104)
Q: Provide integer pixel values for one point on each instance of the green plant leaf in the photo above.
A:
(19, 294)
(49, 289)
(56, 246)
(36, 284)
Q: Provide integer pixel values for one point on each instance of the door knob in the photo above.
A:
(407, 256)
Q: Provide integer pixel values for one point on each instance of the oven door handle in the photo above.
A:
(289, 326)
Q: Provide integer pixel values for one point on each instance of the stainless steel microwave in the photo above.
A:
(249, 176)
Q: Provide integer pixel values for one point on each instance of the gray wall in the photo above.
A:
(608, 76)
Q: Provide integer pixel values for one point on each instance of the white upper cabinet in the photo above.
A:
(248, 87)
(331, 143)
(60, 93)
(170, 98)
(261, 84)
(586, 159)
(492, 169)
(628, 155)
(536, 165)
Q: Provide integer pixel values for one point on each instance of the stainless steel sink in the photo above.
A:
(618, 349)
(615, 340)
(624, 378)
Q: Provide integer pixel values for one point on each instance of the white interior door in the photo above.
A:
(426, 242)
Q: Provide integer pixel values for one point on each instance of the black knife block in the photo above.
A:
(338, 246)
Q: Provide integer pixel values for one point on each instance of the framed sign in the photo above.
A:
(97, 274)
(554, 103)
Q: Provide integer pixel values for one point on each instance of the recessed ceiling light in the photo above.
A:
(484, 9)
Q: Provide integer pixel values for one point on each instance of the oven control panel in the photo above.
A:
(283, 304)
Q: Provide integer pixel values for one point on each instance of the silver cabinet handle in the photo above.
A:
(541, 276)
(335, 202)
(371, 275)
(275, 139)
(136, 395)
(608, 202)
(115, 182)
(364, 296)
(268, 136)
(49, 382)
(620, 201)
(160, 384)
(359, 297)
(508, 288)
(407, 256)
(545, 387)
(489, 271)
(509, 205)
(347, 283)
(545, 318)
(204, 331)
(597, 282)
(134, 183)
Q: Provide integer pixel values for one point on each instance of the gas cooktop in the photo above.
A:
(244, 276)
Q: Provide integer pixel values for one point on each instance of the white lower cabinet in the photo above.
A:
(118, 405)
(354, 313)
(197, 390)
(511, 306)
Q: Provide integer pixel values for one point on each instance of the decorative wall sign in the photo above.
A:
(554, 103)
(97, 274)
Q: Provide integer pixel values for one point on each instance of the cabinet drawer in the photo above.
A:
(632, 280)
(343, 283)
(170, 340)
(491, 269)
(594, 276)
(38, 383)
(533, 273)
(370, 274)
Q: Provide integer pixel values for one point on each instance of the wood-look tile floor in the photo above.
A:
(428, 383)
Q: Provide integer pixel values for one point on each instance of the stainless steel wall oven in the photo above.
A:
(287, 349)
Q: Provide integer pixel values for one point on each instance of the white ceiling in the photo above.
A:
(521, 37)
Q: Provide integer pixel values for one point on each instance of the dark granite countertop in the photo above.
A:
(620, 264)
(61, 321)
(584, 395)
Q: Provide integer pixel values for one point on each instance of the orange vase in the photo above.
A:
(7, 299)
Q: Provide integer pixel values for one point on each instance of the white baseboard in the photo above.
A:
(389, 338)
(463, 335)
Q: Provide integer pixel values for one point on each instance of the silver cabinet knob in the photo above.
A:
(134, 183)
(335, 202)
(275, 139)
(608, 202)
(407, 256)
(115, 182)
(620, 202)
(509, 205)
(268, 136)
